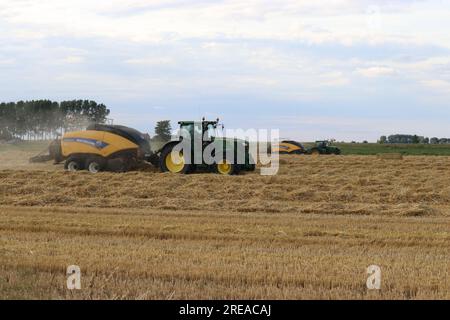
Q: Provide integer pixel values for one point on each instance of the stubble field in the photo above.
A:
(308, 233)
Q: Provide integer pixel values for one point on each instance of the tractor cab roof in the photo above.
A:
(204, 122)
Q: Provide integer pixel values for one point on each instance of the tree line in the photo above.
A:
(46, 119)
(412, 139)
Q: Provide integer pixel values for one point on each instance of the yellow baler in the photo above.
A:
(102, 147)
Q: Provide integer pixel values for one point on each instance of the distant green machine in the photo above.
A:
(174, 161)
(294, 147)
(323, 147)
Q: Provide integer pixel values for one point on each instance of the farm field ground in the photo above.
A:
(308, 233)
(406, 149)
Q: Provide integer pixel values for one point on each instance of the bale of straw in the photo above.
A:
(390, 156)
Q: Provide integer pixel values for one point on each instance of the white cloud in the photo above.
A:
(339, 21)
(73, 59)
(373, 72)
(440, 85)
(334, 79)
(150, 61)
(7, 62)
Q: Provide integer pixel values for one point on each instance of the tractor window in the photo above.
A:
(198, 129)
(191, 128)
(188, 129)
(211, 131)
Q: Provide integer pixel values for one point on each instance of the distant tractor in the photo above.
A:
(323, 147)
(171, 159)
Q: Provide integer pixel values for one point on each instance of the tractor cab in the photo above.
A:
(322, 144)
(200, 128)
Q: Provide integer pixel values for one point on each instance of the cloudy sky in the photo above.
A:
(344, 69)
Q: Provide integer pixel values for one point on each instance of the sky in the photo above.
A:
(341, 69)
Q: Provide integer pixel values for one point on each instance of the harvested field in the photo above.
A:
(309, 232)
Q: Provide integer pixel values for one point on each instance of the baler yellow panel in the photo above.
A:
(94, 142)
(285, 147)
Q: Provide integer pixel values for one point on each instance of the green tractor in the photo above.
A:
(323, 147)
(171, 158)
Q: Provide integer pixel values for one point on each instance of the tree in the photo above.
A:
(425, 140)
(44, 119)
(404, 138)
(383, 140)
(163, 130)
(434, 140)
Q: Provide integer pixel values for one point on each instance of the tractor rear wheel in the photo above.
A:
(174, 162)
(315, 152)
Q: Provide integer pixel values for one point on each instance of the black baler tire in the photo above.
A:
(78, 160)
(100, 161)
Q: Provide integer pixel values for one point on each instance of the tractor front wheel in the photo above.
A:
(227, 168)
